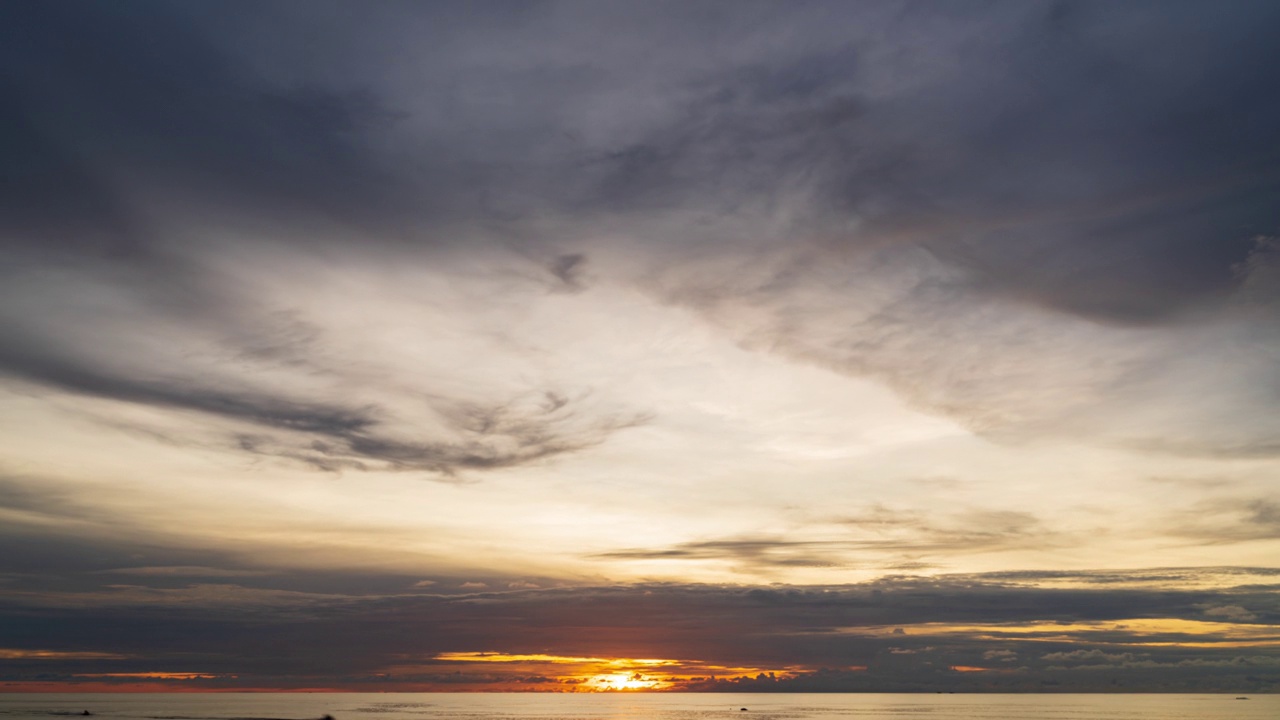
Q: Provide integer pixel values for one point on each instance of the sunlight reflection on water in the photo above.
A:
(625, 706)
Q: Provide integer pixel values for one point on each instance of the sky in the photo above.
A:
(573, 346)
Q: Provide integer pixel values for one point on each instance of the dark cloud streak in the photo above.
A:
(869, 537)
(814, 627)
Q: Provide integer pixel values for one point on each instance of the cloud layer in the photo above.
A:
(899, 634)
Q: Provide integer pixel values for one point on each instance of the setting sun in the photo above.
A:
(624, 681)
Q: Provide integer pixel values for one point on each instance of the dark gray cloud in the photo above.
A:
(258, 408)
(68, 538)
(751, 553)
(1065, 158)
(337, 639)
(108, 108)
(492, 436)
(568, 268)
(1047, 156)
(1062, 155)
(1053, 164)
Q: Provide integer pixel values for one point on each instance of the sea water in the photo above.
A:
(633, 706)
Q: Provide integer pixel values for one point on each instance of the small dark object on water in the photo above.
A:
(86, 712)
(327, 717)
(1242, 698)
(742, 709)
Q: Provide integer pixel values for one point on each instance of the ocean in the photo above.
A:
(633, 706)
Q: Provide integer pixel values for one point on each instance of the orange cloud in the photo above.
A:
(24, 654)
(1171, 632)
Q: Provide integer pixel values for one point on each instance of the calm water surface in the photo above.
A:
(397, 706)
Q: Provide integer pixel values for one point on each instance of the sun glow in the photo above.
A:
(585, 673)
(156, 675)
(624, 681)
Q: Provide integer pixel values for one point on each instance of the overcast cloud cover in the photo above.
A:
(853, 342)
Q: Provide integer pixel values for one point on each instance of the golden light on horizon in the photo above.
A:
(1174, 632)
(602, 674)
(499, 657)
(156, 675)
(625, 681)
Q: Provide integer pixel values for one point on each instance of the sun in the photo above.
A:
(621, 681)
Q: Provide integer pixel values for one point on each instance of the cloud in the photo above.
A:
(1013, 372)
(182, 571)
(258, 408)
(987, 276)
(753, 552)
(234, 138)
(23, 654)
(492, 436)
(1090, 656)
(1184, 578)
(853, 540)
(1229, 520)
(569, 268)
(477, 436)
(1230, 612)
(941, 621)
